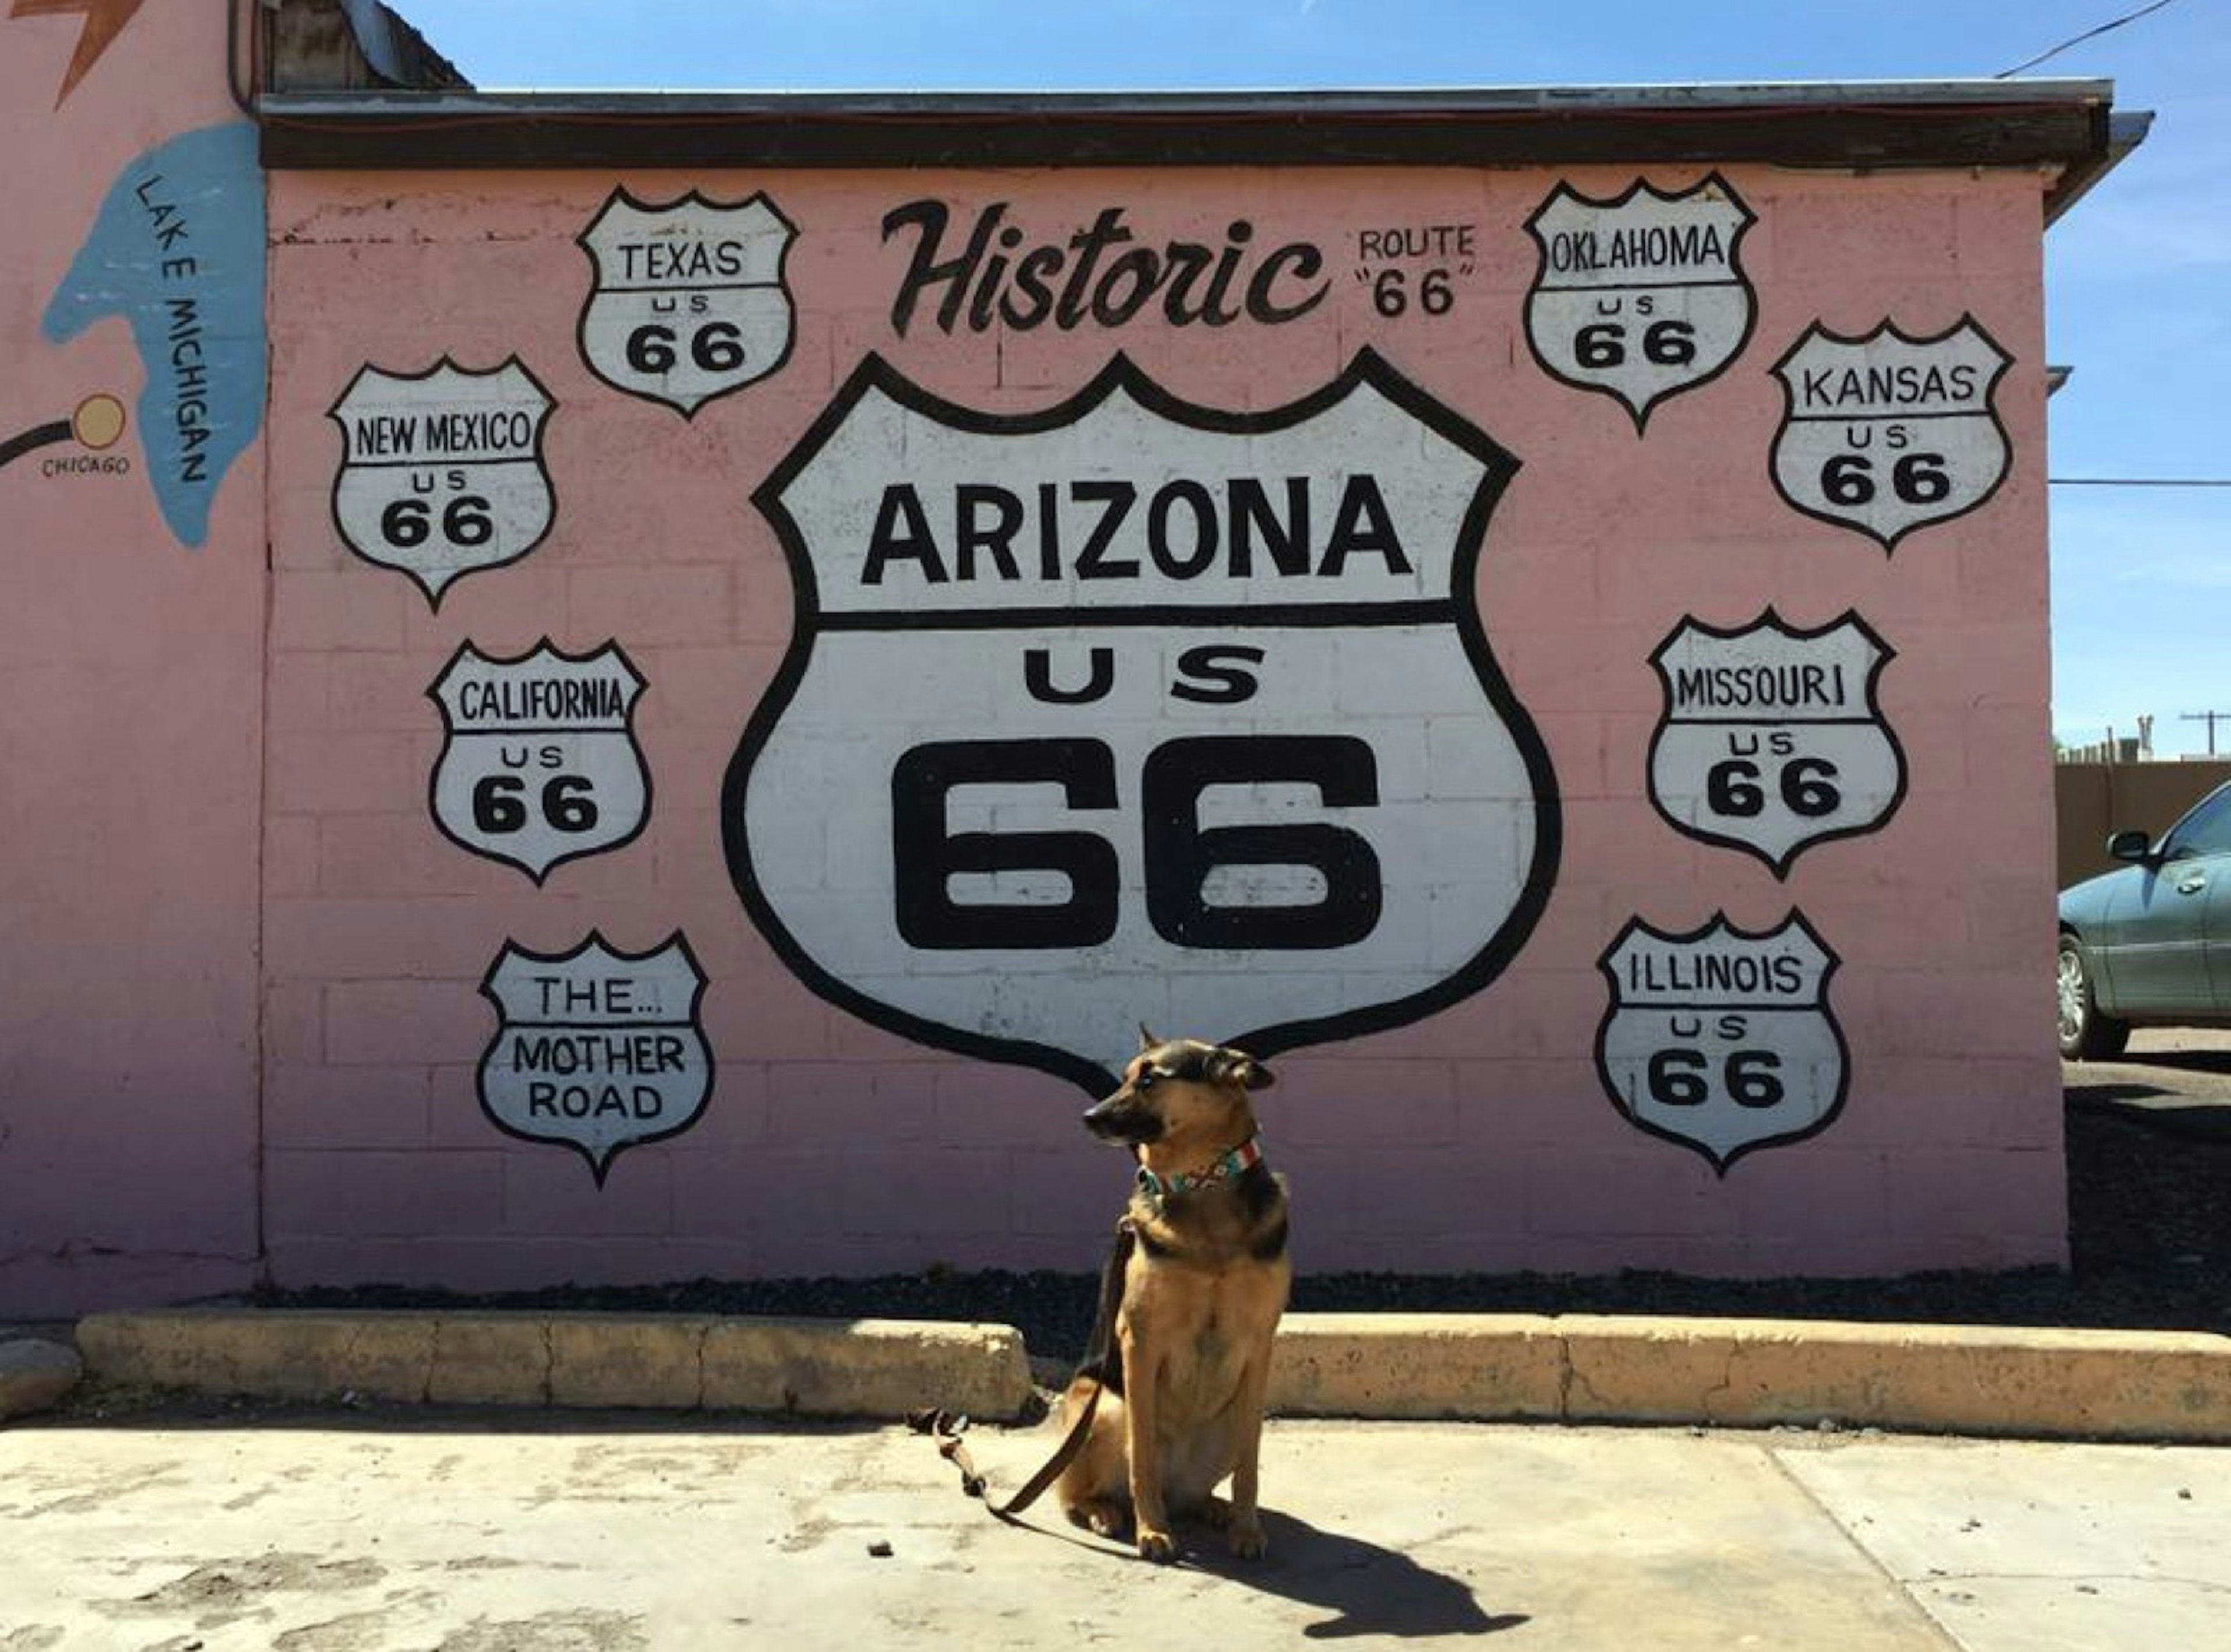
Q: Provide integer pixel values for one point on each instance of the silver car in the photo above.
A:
(2150, 943)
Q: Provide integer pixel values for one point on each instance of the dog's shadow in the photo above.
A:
(1369, 1589)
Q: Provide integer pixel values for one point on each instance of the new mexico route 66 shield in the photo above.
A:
(597, 1050)
(539, 761)
(1721, 1040)
(1889, 433)
(1772, 739)
(1133, 710)
(1642, 296)
(689, 303)
(442, 472)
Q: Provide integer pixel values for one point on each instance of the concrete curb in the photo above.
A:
(1733, 1373)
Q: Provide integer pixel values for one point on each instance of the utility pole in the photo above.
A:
(2210, 718)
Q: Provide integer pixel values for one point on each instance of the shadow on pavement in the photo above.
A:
(1368, 1589)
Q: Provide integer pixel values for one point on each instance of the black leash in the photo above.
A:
(946, 1428)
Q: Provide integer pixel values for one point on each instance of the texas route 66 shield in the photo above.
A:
(1133, 710)
(1772, 738)
(1721, 1040)
(539, 761)
(689, 303)
(1642, 296)
(1888, 433)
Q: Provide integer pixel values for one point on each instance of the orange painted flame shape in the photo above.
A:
(103, 21)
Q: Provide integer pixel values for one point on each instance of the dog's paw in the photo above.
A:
(1158, 1546)
(1098, 1515)
(1216, 1513)
(1245, 1537)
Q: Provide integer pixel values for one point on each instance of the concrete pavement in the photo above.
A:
(440, 1530)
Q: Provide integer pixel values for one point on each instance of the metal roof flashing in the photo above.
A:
(2065, 127)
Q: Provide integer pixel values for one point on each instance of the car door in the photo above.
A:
(2157, 931)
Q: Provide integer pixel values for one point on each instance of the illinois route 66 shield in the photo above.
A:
(1641, 296)
(689, 304)
(597, 1049)
(1721, 1040)
(1772, 740)
(539, 761)
(442, 472)
(1888, 433)
(1133, 710)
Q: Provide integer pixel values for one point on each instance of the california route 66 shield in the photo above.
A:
(1721, 1040)
(1888, 433)
(539, 761)
(442, 472)
(1641, 296)
(1134, 710)
(596, 1049)
(689, 304)
(1772, 739)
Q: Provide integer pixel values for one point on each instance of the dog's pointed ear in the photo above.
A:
(1238, 1066)
(1147, 1040)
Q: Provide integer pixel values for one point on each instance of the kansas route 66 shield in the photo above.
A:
(1888, 433)
(1720, 1040)
(689, 303)
(1772, 740)
(442, 472)
(1133, 710)
(539, 761)
(597, 1049)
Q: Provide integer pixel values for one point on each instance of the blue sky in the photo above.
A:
(2138, 275)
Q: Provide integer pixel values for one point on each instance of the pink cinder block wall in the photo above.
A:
(1478, 1138)
(132, 701)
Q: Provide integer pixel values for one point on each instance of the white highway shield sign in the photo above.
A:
(1888, 433)
(1133, 710)
(1721, 1040)
(689, 304)
(442, 472)
(1772, 739)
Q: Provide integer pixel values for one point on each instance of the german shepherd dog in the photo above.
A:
(1195, 1288)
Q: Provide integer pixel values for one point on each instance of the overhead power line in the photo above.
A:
(2078, 40)
(2138, 481)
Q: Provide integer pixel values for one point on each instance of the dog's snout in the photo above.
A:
(1122, 1117)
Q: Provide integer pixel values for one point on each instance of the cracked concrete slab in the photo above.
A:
(422, 1527)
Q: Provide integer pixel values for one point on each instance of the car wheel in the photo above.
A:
(2086, 1034)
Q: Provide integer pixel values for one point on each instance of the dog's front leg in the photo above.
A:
(1142, 1373)
(1245, 1532)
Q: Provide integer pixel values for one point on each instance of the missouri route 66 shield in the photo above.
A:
(1888, 433)
(1772, 740)
(442, 472)
(1134, 710)
(1721, 1040)
(1641, 296)
(539, 761)
(689, 303)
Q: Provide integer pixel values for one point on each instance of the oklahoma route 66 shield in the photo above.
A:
(1772, 739)
(1642, 296)
(689, 304)
(1888, 433)
(1133, 710)
(539, 761)
(442, 472)
(1721, 1040)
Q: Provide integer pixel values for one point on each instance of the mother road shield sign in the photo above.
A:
(1132, 710)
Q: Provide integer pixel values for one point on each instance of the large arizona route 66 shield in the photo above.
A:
(1888, 433)
(1132, 710)
(689, 304)
(1772, 738)
(1721, 1040)
(442, 471)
